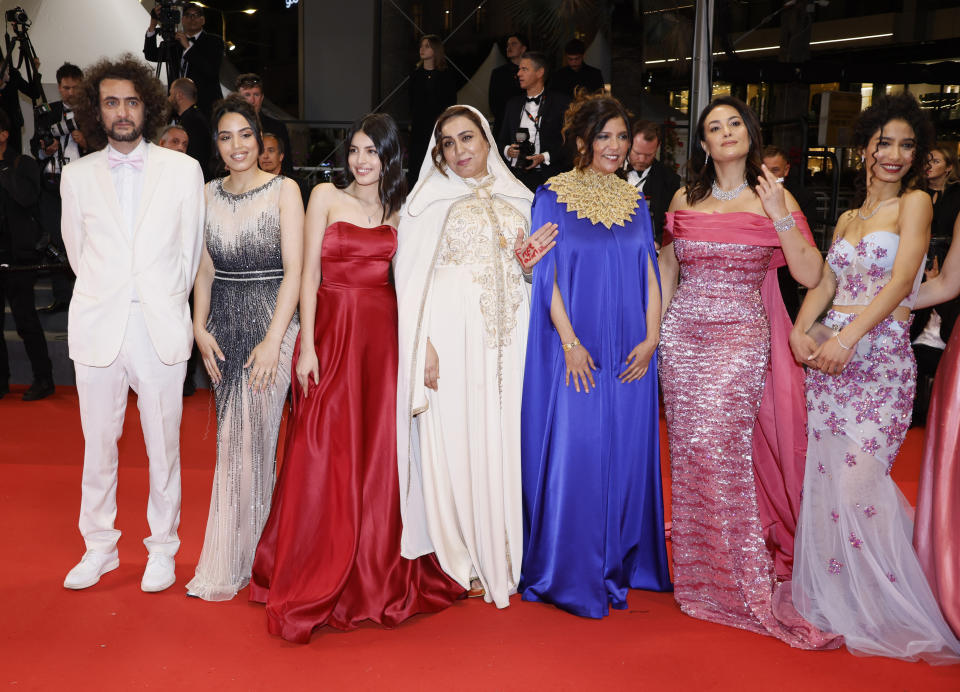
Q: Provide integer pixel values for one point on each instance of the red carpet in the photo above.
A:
(113, 637)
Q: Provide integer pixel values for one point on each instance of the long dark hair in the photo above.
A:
(156, 108)
(902, 106)
(235, 103)
(439, 51)
(382, 129)
(585, 119)
(700, 172)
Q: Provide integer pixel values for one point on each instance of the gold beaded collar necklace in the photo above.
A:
(604, 199)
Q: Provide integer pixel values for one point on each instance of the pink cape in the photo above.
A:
(936, 534)
(780, 433)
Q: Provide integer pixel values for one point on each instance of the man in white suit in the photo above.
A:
(132, 226)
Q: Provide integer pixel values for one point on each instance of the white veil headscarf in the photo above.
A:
(422, 220)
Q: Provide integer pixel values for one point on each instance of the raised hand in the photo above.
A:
(530, 250)
(770, 191)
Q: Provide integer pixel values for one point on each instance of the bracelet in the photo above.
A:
(845, 348)
(572, 345)
(784, 224)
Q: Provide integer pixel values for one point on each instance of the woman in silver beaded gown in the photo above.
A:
(724, 363)
(245, 300)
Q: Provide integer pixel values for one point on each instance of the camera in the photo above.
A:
(49, 127)
(18, 18)
(522, 139)
(167, 13)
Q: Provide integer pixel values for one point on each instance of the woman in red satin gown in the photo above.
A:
(330, 550)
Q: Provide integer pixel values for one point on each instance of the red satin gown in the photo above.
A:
(330, 550)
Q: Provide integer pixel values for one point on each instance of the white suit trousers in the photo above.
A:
(103, 402)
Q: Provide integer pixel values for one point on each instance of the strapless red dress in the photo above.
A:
(330, 550)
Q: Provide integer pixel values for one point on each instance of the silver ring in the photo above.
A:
(779, 180)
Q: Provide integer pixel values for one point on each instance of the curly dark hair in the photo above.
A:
(585, 118)
(382, 129)
(156, 108)
(902, 106)
(436, 154)
(700, 172)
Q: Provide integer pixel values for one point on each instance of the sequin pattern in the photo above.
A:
(855, 571)
(242, 235)
(714, 351)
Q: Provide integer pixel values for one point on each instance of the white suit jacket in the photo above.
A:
(159, 261)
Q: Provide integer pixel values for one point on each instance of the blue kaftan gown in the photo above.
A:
(592, 499)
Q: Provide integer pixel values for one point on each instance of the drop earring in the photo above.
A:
(707, 160)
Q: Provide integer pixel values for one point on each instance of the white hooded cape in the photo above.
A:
(422, 220)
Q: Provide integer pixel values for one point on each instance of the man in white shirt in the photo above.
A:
(132, 226)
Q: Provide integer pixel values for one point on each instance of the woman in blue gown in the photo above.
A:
(592, 501)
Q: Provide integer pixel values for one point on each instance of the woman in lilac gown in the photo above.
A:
(936, 532)
(856, 572)
(592, 500)
(724, 351)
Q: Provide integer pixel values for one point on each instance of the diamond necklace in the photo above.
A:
(875, 209)
(727, 195)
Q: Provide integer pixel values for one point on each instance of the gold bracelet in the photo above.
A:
(845, 348)
(572, 345)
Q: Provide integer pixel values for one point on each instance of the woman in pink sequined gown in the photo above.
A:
(723, 351)
(936, 533)
(855, 571)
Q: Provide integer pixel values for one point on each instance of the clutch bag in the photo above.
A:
(820, 332)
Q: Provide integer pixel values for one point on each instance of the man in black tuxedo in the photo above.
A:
(250, 87)
(199, 54)
(503, 79)
(655, 180)
(54, 147)
(540, 114)
(183, 98)
(12, 84)
(776, 160)
(19, 234)
(576, 73)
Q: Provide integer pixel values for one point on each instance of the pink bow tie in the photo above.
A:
(116, 159)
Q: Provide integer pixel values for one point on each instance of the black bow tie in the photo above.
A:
(534, 99)
(192, 39)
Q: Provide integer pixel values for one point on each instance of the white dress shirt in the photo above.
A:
(638, 180)
(128, 183)
(531, 110)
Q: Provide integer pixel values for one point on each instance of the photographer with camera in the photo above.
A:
(12, 83)
(19, 236)
(530, 135)
(195, 53)
(56, 142)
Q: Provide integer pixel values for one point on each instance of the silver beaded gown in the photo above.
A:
(242, 235)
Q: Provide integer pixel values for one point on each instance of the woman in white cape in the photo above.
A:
(464, 306)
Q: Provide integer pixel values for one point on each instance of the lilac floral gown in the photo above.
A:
(855, 570)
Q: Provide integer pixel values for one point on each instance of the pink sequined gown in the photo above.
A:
(715, 348)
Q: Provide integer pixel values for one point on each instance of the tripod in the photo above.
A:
(170, 52)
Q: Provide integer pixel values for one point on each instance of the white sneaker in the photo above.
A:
(159, 574)
(91, 567)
